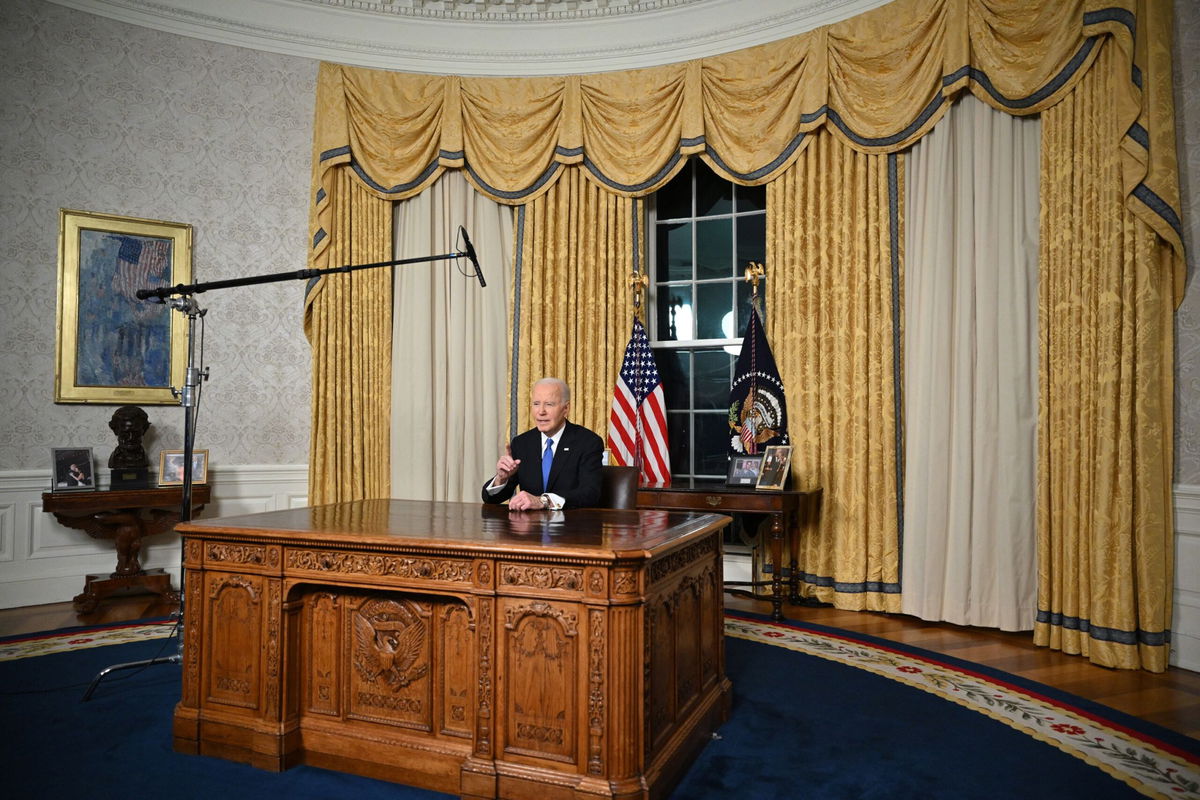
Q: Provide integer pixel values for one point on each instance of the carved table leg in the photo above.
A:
(776, 566)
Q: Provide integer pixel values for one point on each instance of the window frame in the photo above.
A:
(693, 346)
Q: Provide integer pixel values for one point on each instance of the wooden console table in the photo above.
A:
(464, 648)
(126, 516)
(788, 511)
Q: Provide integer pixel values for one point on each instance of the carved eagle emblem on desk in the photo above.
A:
(388, 644)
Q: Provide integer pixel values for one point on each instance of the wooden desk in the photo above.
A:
(788, 510)
(126, 516)
(458, 647)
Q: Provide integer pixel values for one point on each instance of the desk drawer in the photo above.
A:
(717, 501)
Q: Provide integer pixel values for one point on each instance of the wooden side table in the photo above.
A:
(126, 516)
(788, 510)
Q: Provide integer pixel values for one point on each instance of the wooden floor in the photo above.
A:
(1171, 699)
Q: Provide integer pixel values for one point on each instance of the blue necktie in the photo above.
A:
(547, 459)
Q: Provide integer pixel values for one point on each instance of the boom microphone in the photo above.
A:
(471, 255)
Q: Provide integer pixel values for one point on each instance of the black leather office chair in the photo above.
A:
(618, 487)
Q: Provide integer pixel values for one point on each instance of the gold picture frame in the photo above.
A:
(111, 347)
(774, 472)
(170, 467)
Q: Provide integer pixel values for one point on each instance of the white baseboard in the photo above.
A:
(44, 562)
(1185, 623)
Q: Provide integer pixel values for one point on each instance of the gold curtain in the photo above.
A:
(1105, 532)
(573, 311)
(832, 220)
(348, 323)
(569, 146)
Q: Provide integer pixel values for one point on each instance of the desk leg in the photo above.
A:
(777, 524)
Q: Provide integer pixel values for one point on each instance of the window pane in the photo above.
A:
(674, 252)
(751, 242)
(714, 248)
(751, 198)
(713, 374)
(674, 200)
(714, 195)
(712, 444)
(714, 302)
(679, 442)
(674, 369)
(745, 291)
(676, 322)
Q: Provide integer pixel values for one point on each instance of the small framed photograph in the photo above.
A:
(774, 472)
(73, 470)
(170, 467)
(743, 470)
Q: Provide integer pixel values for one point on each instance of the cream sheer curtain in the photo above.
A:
(450, 353)
(970, 370)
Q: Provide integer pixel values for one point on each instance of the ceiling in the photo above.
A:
(485, 37)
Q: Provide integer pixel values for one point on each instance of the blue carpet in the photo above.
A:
(801, 727)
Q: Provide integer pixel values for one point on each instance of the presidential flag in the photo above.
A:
(757, 407)
(637, 425)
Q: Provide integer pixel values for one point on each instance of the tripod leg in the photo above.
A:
(172, 659)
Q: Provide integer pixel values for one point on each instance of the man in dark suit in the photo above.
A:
(556, 464)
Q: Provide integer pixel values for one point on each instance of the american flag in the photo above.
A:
(141, 263)
(637, 425)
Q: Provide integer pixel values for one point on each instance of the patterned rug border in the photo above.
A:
(64, 640)
(1147, 763)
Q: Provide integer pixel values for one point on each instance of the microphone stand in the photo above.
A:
(180, 298)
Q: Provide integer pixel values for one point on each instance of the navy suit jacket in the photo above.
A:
(574, 474)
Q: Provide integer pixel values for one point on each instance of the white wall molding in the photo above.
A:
(42, 561)
(1185, 624)
(418, 37)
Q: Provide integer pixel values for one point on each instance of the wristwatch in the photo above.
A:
(545, 500)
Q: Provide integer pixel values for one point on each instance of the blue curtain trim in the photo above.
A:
(765, 170)
(542, 180)
(636, 187)
(839, 586)
(1139, 135)
(334, 153)
(516, 336)
(318, 236)
(320, 196)
(400, 187)
(897, 344)
(1118, 15)
(1159, 206)
(1149, 638)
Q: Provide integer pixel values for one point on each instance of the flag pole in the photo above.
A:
(754, 273)
(638, 281)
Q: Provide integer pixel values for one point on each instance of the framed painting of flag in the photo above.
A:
(113, 348)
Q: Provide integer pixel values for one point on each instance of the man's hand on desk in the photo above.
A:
(524, 501)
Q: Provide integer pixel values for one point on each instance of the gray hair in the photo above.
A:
(564, 391)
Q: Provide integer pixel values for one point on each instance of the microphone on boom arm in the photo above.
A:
(470, 252)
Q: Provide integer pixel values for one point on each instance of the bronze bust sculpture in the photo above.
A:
(129, 423)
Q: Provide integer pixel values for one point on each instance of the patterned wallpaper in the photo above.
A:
(99, 115)
(1187, 318)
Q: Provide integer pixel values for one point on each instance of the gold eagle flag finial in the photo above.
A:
(638, 281)
(755, 272)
